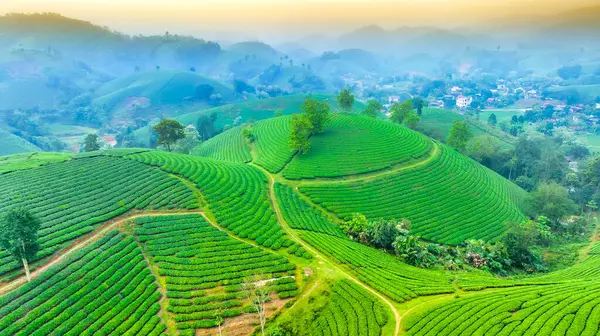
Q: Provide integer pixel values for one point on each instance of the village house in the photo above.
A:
(463, 102)
(393, 99)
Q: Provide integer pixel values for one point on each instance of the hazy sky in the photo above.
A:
(269, 18)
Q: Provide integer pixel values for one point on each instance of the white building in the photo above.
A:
(463, 102)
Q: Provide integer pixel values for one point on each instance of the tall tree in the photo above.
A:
(492, 120)
(169, 132)
(460, 134)
(205, 125)
(188, 142)
(550, 200)
(345, 99)
(418, 104)
(91, 143)
(300, 133)
(412, 120)
(18, 235)
(399, 111)
(317, 113)
(373, 108)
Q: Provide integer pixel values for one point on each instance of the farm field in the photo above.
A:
(205, 270)
(71, 198)
(30, 160)
(456, 207)
(235, 114)
(103, 289)
(353, 144)
(146, 242)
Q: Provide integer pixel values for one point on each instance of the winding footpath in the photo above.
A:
(309, 248)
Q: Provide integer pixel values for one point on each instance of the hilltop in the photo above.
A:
(231, 115)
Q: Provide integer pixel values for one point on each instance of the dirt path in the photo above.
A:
(14, 284)
(294, 237)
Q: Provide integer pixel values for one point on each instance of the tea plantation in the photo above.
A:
(146, 242)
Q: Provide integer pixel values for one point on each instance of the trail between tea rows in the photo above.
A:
(103, 230)
(309, 248)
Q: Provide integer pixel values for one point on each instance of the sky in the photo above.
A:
(269, 19)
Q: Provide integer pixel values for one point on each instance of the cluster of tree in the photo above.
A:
(516, 251)
(404, 113)
(311, 122)
(27, 125)
(172, 135)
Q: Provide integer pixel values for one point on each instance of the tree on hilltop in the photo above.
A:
(460, 134)
(418, 104)
(492, 120)
(412, 120)
(373, 108)
(345, 99)
(18, 235)
(317, 113)
(300, 133)
(91, 143)
(169, 132)
(399, 111)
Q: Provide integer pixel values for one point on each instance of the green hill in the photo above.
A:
(437, 123)
(231, 115)
(12, 144)
(383, 170)
(158, 87)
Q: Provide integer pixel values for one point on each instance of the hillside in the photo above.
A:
(438, 122)
(231, 115)
(12, 144)
(352, 162)
(155, 242)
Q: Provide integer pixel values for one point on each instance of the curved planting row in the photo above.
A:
(588, 270)
(272, 149)
(449, 199)
(228, 146)
(567, 309)
(350, 311)
(381, 271)
(205, 269)
(237, 194)
(355, 144)
(70, 198)
(300, 215)
(104, 289)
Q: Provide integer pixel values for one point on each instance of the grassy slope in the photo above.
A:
(30, 160)
(12, 144)
(159, 86)
(238, 113)
(437, 123)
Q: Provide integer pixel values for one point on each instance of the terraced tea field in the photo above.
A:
(565, 309)
(229, 146)
(447, 199)
(240, 211)
(351, 311)
(103, 289)
(205, 270)
(73, 197)
(354, 144)
(235, 193)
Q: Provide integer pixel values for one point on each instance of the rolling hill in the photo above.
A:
(142, 242)
(12, 144)
(231, 115)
